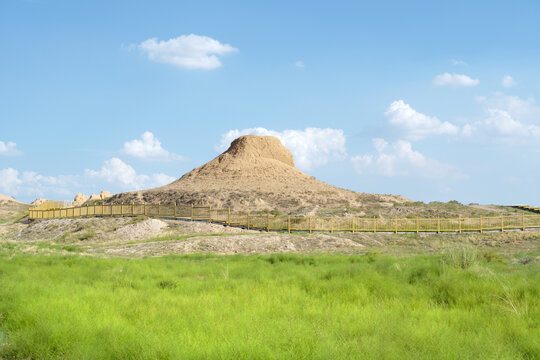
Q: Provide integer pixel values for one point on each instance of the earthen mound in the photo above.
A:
(38, 201)
(255, 173)
(104, 194)
(6, 198)
(79, 199)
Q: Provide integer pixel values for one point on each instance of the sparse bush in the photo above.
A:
(167, 284)
(276, 212)
(526, 260)
(85, 235)
(71, 248)
(492, 256)
(371, 256)
(460, 258)
(138, 219)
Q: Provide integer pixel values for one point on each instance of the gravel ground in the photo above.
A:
(151, 237)
(262, 243)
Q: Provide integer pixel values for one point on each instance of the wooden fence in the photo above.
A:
(294, 223)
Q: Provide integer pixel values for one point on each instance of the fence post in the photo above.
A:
(481, 225)
(191, 212)
(502, 223)
(395, 225)
(289, 223)
(175, 210)
(267, 222)
(417, 226)
(522, 222)
(352, 224)
(374, 224)
(459, 224)
(438, 225)
(122, 208)
(331, 224)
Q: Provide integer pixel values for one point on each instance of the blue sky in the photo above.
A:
(428, 100)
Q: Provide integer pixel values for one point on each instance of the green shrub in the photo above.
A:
(85, 235)
(461, 257)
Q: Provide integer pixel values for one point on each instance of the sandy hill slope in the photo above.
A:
(10, 207)
(256, 172)
(6, 198)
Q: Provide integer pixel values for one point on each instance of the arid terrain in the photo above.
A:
(256, 173)
(9, 207)
(142, 236)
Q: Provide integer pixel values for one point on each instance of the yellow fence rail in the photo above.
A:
(293, 223)
(527, 208)
(49, 205)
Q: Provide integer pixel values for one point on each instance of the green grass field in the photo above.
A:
(458, 305)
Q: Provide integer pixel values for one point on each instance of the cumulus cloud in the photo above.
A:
(525, 109)
(115, 171)
(9, 148)
(415, 124)
(114, 174)
(299, 64)
(467, 129)
(508, 81)
(503, 123)
(9, 181)
(455, 80)
(499, 125)
(29, 183)
(148, 147)
(399, 159)
(509, 118)
(187, 51)
(311, 148)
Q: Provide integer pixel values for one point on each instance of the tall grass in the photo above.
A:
(278, 306)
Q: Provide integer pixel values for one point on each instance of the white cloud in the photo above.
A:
(299, 64)
(467, 129)
(148, 148)
(508, 81)
(9, 181)
(417, 125)
(454, 80)
(399, 159)
(503, 123)
(525, 109)
(458, 62)
(114, 174)
(187, 51)
(9, 148)
(115, 171)
(29, 183)
(312, 147)
(509, 119)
